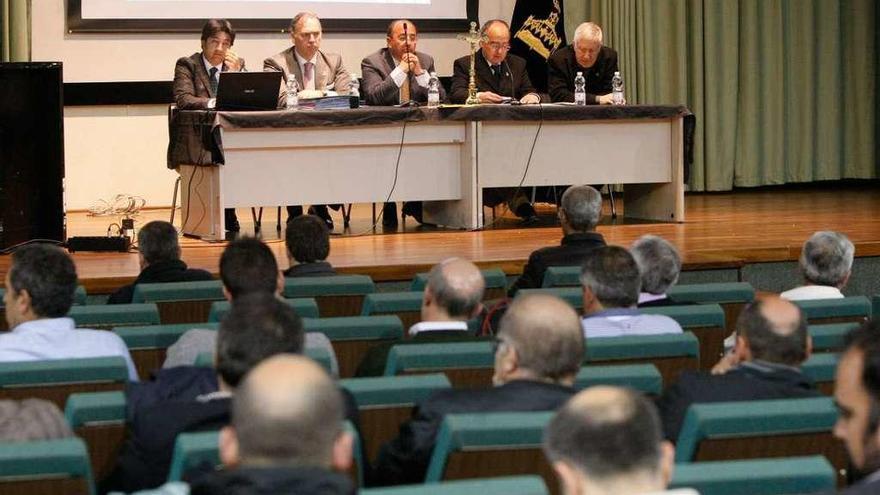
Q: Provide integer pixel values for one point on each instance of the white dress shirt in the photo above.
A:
(433, 326)
(399, 76)
(618, 322)
(810, 292)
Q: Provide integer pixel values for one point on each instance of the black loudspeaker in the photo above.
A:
(31, 152)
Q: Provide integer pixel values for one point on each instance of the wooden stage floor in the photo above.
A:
(722, 230)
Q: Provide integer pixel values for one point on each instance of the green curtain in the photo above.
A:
(783, 90)
(15, 38)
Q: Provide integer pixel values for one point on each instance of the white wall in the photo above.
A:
(121, 149)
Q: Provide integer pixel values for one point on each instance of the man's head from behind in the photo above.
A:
(607, 440)
(857, 394)
(258, 326)
(658, 261)
(827, 258)
(305, 33)
(580, 209)
(610, 279)
(287, 412)
(454, 290)
(773, 330)
(307, 239)
(246, 266)
(157, 241)
(39, 284)
(539, 338)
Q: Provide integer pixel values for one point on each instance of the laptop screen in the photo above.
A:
(248, 90)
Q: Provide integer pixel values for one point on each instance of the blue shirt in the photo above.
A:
(618, 322)
(57, 338)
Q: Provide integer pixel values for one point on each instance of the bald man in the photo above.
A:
(451, 297)
(539, 349)
(771, 344)
(608, 441)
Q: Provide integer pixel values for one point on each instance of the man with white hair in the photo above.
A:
(659, 266)
(826, 264)
(587, 55)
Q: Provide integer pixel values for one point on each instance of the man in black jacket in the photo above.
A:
(771, 343)
(308, 246)
(159, 257)
(587, 55)
(540, 347)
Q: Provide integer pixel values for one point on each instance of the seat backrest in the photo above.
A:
(353, 336)
(405, 305)
(148, 345)
(811, 474)
(506, 485)
(99, 419)
(821, 368)
(670, 353)
(304, 307)
(572, 295)
(466, 364)
(495, 279)
(642, 377)
(180, 302)
(875, 305)
(338, 295)
(562, 276)
(484, 445)
(831, 336)
(318, 354)
(846, 309)
(45, 466)
(55, 380)
(107, 316)
(706, 321)
(386, 402)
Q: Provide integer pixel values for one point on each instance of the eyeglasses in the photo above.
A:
(498, 46)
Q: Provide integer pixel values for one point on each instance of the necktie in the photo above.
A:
(309, 76)
(212, 75)
(496, 70)
(404, 91)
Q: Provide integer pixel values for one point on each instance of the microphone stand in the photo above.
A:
(410, 102)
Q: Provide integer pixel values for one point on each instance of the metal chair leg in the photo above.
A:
(174, 199)
(346, 216)
(611, 197)
(258, 219)
(278, 221)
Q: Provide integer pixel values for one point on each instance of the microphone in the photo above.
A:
(409, 78)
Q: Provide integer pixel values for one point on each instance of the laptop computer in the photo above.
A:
(248, 90)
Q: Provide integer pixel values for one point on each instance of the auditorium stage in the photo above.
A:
(723, 231)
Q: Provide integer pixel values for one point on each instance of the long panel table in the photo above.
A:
(443, 156)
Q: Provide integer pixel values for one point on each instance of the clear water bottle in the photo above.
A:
(433, 91)
(580, 92)
(354, 87)
(292, 102)
(617, 89)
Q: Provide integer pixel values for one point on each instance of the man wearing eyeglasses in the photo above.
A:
(500, 76)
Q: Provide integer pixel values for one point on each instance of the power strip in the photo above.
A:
(98, 243)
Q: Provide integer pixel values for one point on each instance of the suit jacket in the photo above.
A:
(373, 363)
(162, 271)
(571, 252)
(273, 480)
(330, 74)
(192, 86)
(379, 89)
(514, 80)
(748, 381)
(316, 269)
(405, 459)
(562, 68)
(867, 486)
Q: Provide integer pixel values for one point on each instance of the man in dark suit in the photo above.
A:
(539, 351)
(159, 258)
(857, 395)
(587, 55)
(395, 75)
(452, 296)
(196, 77)
(771, 343)
(579, 213)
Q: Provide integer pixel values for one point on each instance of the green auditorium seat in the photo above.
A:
(791, 475)
(732, 296)
(107, 316)
(484, 445)
(305, 308)
(319, 354)
(54, 380)
(338, 295)
(830, 337)
(875, 305)
(506, 485)
(847, 309)
(99, 419)
(642, 377)
(44, 467)
(571, 295)
(562, 276)
(706, 321)
(180, 302)
(496, 283)
(405, 305)
(466, 364)
(148, 345)
(821, 368)
(758, 429)
(386, 402)
(353, 336)
(670, 353)
(79, 298)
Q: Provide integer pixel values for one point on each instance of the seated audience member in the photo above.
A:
(826, 264)
(857, 395)
(452, 297)
(539, 351)
(159, 258)
(247, 266)
(587, 55)
(40, 285)
(579, 213)
(659, 266)
(31, 419)
(771, 343)
(608, 441)
(611, 284)
(308, 245)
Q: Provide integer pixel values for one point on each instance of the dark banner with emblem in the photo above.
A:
(537, 30)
